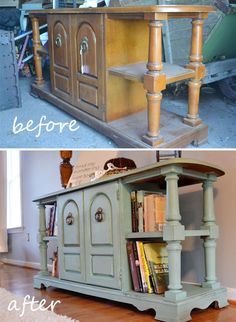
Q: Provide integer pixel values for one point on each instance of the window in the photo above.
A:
(14, 217)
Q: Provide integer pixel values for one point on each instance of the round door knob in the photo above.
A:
(58, 41)
(99, 215)
(69, 219)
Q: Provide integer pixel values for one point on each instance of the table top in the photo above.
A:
(152, 173)
(174, 9)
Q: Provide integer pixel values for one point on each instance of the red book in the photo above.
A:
(133, 267)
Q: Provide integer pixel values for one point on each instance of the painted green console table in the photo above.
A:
(92, 249)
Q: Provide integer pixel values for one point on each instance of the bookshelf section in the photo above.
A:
(148, 266)
(48, 231)
(136, 72)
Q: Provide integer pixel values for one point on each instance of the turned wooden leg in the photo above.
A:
(154, 107)
(173, 234)
(194, 84)
(37, 45)
(154, 83)
(42, 242)
(209, 243)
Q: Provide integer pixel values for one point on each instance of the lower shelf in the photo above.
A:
(166, 310)
(125, 132)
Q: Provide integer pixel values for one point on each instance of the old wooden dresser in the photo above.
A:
(107, 70)
(92, 249)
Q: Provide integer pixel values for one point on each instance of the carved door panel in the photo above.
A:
(71, 237)
(102, 236)
(60, 54)
(87, 44)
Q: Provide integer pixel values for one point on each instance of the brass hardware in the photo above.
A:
(69, 219)
(58, 41)
(84, 47)
(99, 215)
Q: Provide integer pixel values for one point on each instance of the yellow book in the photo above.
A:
(157, 259)
(144, 266)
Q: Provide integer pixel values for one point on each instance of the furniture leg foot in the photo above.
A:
(153, 141)
(192, 121)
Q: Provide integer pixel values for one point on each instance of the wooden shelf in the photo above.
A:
(139, 235)
(197, 233)
(135, 72)
(159, 234)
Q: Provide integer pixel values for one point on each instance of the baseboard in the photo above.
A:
(20, 263)
(231, 294)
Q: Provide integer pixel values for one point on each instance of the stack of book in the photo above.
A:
(148, 266)
(148, 211)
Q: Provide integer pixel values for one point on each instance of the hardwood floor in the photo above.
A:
(86, 309)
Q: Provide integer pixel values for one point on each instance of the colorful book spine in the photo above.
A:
(134, 219)
(160, 212)
(145, 267)
(157, 258)
(142, 267)
(137, 266)
(140, 200)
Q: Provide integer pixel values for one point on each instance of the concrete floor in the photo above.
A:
(214, 110)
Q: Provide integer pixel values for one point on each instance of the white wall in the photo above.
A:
(40, 175)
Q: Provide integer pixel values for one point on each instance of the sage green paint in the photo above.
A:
(71, 237)
(98, 257)
(42, 242)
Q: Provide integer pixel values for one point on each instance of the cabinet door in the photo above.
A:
(102, 236)
(87, 45)
(60, 55)
(71, 237)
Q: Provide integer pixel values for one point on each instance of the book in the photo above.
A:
(137, 265)
(154, 212)
(160, 211)
(140, 206)
(142, 268)
(137, 205)
(148, 211)
(133, 267)
(157, 259)
(134, 212)
(144, 265)
(52, 221)
(55, 271)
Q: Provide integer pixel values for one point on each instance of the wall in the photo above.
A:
(41, 175)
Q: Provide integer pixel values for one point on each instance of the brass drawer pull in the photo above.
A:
(69, 219)
(58, 41)
(99, 215)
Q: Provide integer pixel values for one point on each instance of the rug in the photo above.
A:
(14, 309)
